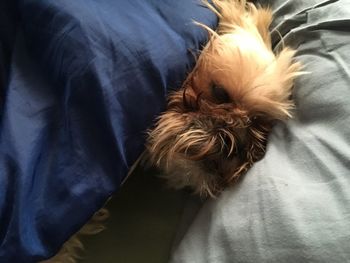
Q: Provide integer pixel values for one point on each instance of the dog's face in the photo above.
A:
(204, 144)
(216, 126)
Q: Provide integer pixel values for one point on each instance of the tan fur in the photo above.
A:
(205, 143)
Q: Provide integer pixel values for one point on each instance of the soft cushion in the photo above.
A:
(293, 205)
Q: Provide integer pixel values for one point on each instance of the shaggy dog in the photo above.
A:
(215, 127)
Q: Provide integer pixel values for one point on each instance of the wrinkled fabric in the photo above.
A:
(293, 205)
(81, 81)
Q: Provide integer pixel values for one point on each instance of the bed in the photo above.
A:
(293, 205)
(82, 80)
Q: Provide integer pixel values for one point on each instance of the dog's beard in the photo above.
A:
(216, 126)
(204, 145)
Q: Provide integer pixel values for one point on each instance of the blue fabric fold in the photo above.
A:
(81, 82)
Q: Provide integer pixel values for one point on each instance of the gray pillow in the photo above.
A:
(294, 205)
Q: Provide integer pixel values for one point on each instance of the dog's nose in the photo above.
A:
(211, 166)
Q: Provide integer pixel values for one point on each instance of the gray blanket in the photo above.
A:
(294, 205)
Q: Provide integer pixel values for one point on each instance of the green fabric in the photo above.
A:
(142, 225)
(294, 205)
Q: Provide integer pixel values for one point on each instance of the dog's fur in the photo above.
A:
(216, 125)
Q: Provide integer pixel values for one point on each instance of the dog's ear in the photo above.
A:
(254, 149)
(258, 132)
(263, 19)
(231, 12)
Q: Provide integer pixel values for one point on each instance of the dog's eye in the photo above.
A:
(220, 94)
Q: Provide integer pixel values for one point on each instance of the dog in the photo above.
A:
(216, 126)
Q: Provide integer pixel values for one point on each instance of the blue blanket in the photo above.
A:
(80, 83)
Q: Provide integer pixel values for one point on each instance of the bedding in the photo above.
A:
(294, 204)
(81, 81)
